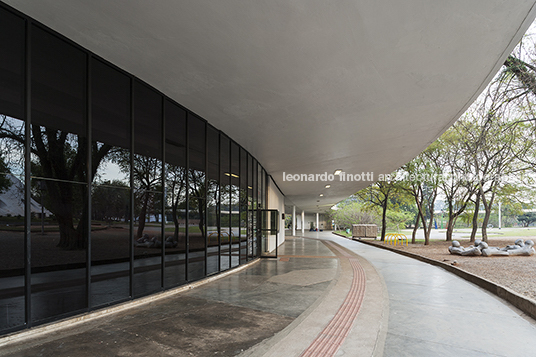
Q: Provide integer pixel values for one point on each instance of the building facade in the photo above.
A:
(138, 194)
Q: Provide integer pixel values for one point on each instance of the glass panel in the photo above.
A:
(269, 221)
(225, 202)
(58, 107)
(260, 188)
(235, 204)
(110, 206)
(58, 167)
(58, 275)
(175, 272)
(11, 64)
(12, 172)
(213, 200)
(196, 199)
(12, 223)
(251, 212)
(256, 233)
(243, 205)
(147, 178)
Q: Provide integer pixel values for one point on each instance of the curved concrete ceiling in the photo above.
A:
(307, 86)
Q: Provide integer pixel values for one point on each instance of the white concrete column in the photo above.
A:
(317, 225)
(293, 220)
(302, 222)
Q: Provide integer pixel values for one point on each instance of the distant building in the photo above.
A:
(12, 200)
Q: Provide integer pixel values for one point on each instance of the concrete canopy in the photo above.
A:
(306, 86)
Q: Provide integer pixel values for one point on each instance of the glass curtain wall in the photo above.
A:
(251, 212)
(175, 243)
(213, 200)
(235, 205)
(108, 189)
(255, 247)
(12, 172)
(196, 198)
(59, 177)
(243, 201)
(147, 186)
(225, 203)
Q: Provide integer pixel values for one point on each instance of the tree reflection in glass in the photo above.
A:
(196, 198)
(12, 223)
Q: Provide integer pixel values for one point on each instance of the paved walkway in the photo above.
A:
(435, 313)
(324, 296)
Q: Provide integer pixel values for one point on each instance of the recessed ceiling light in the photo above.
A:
(337, 172)
(328, 186)
(321, 195)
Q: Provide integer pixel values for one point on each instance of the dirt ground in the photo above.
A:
(515, 272)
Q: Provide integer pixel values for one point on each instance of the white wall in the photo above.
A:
(276, 200)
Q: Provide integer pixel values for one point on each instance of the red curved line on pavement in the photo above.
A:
(328, 342)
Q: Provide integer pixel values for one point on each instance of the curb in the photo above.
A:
(528, 306)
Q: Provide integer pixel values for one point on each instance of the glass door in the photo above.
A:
(268, 232)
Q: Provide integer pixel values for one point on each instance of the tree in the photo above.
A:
(527, 218)
(176, 193)
(60, 158)
(5, 182)
(379, 194)
(147, 177)
(110, 201)
(494, 142)
(421, 180)
(196, 193)
(348, 213)
(399, 218)
(457, 189)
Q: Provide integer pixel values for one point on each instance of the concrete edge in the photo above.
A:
(527, 305)
(70, 322)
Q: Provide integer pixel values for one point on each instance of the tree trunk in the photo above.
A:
(414, 233)
(475, 218)
(143, 215)
(384, 219)
(450, 227)
(70, 238)
(201, 217)
(424, 227)
(429, 230)
(485, 224)
(487, 207)
(174, 207)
